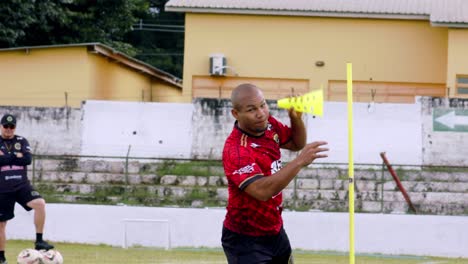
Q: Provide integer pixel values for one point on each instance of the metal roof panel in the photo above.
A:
(437, 11)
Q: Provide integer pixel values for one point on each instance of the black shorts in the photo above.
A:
(23, 195)
(242, 249)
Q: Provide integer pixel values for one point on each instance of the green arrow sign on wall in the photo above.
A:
(450, 120)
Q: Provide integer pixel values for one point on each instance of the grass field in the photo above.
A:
(101, 254)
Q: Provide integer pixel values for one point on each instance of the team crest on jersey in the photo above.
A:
(18, 146)
(276, 138)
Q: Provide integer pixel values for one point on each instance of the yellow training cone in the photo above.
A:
(311, 103)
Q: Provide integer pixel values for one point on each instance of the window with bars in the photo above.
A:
(462, 84)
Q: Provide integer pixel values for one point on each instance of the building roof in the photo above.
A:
(112, 54)
(451, 13)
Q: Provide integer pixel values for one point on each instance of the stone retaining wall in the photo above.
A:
(142, 183)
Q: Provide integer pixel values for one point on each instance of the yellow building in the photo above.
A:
(399, 49)
(66, 75)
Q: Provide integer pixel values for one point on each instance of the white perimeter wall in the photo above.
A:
(426, 235)
(152, 129)
(174, 130)
(391, 128)
(171, 130)
(49, 130)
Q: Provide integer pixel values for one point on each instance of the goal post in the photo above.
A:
(163, 222)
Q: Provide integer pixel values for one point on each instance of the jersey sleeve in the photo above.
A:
(284, 132)
(22, 145)
(25, 147)
(240, 167)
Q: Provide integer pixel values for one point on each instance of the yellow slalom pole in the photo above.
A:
(349, 71)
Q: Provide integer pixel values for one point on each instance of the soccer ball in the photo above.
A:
(51, 257)
(29, 256)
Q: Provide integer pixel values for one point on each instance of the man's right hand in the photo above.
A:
(311, 152)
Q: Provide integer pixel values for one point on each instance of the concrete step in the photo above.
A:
(425, 186)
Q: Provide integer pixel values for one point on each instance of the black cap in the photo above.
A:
(8, 120)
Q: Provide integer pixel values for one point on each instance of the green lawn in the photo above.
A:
(92, 254)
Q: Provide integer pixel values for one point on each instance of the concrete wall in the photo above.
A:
(55, 131)
(198, 130)
(374, 233)
(154, 130)
(445, 131)
(406, 132)
(392, 128)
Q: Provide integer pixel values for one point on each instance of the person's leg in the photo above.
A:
(282, 249)
(32, 200)
(229, 241)
(2, 240)
(242, 249)
(7, 207)
(285, 259)
(38, 205)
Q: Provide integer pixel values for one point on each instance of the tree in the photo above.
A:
(111, 22)
(15, 17)
(159, 37)
(48, 22)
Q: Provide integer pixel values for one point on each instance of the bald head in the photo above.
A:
(250, 109)
(242, 92)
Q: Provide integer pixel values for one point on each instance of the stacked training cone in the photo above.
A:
(311, 103)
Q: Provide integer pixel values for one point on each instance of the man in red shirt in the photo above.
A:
(253, 228)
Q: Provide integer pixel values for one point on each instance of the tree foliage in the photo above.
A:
(160, 45)
(111, 22)
(15, 18)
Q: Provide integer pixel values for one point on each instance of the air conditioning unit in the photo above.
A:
(218, 64)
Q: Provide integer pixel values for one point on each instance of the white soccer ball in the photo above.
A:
(29, 256)
(51, 257)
